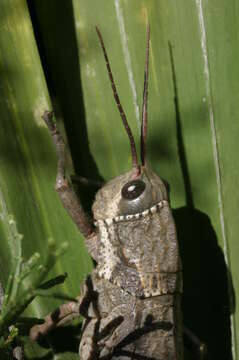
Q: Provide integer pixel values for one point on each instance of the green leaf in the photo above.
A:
(54, 295)
(192, 142)
(28, 162)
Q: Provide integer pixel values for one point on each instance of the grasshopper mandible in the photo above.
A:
(131, 301)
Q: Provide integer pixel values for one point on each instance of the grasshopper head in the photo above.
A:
(129, 194)
(138, 189)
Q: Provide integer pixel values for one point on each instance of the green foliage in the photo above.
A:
(20, 292)
(51, 47)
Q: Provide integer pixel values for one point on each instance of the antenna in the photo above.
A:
(145, 102)
(117, 100)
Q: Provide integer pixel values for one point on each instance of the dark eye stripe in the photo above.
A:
(133, 189)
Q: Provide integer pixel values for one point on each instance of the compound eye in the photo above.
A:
(133, 189)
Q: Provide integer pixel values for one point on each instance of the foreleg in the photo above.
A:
(66, 192)
(67, 312)
(59, 317)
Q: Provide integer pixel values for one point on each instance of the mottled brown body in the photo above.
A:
(140, 254)
(138, 276)
(131, 302)
(152, 327)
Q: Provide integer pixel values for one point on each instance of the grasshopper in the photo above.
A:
(131, 301)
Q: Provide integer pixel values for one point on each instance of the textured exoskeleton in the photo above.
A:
(131, 301)
(138, 274)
